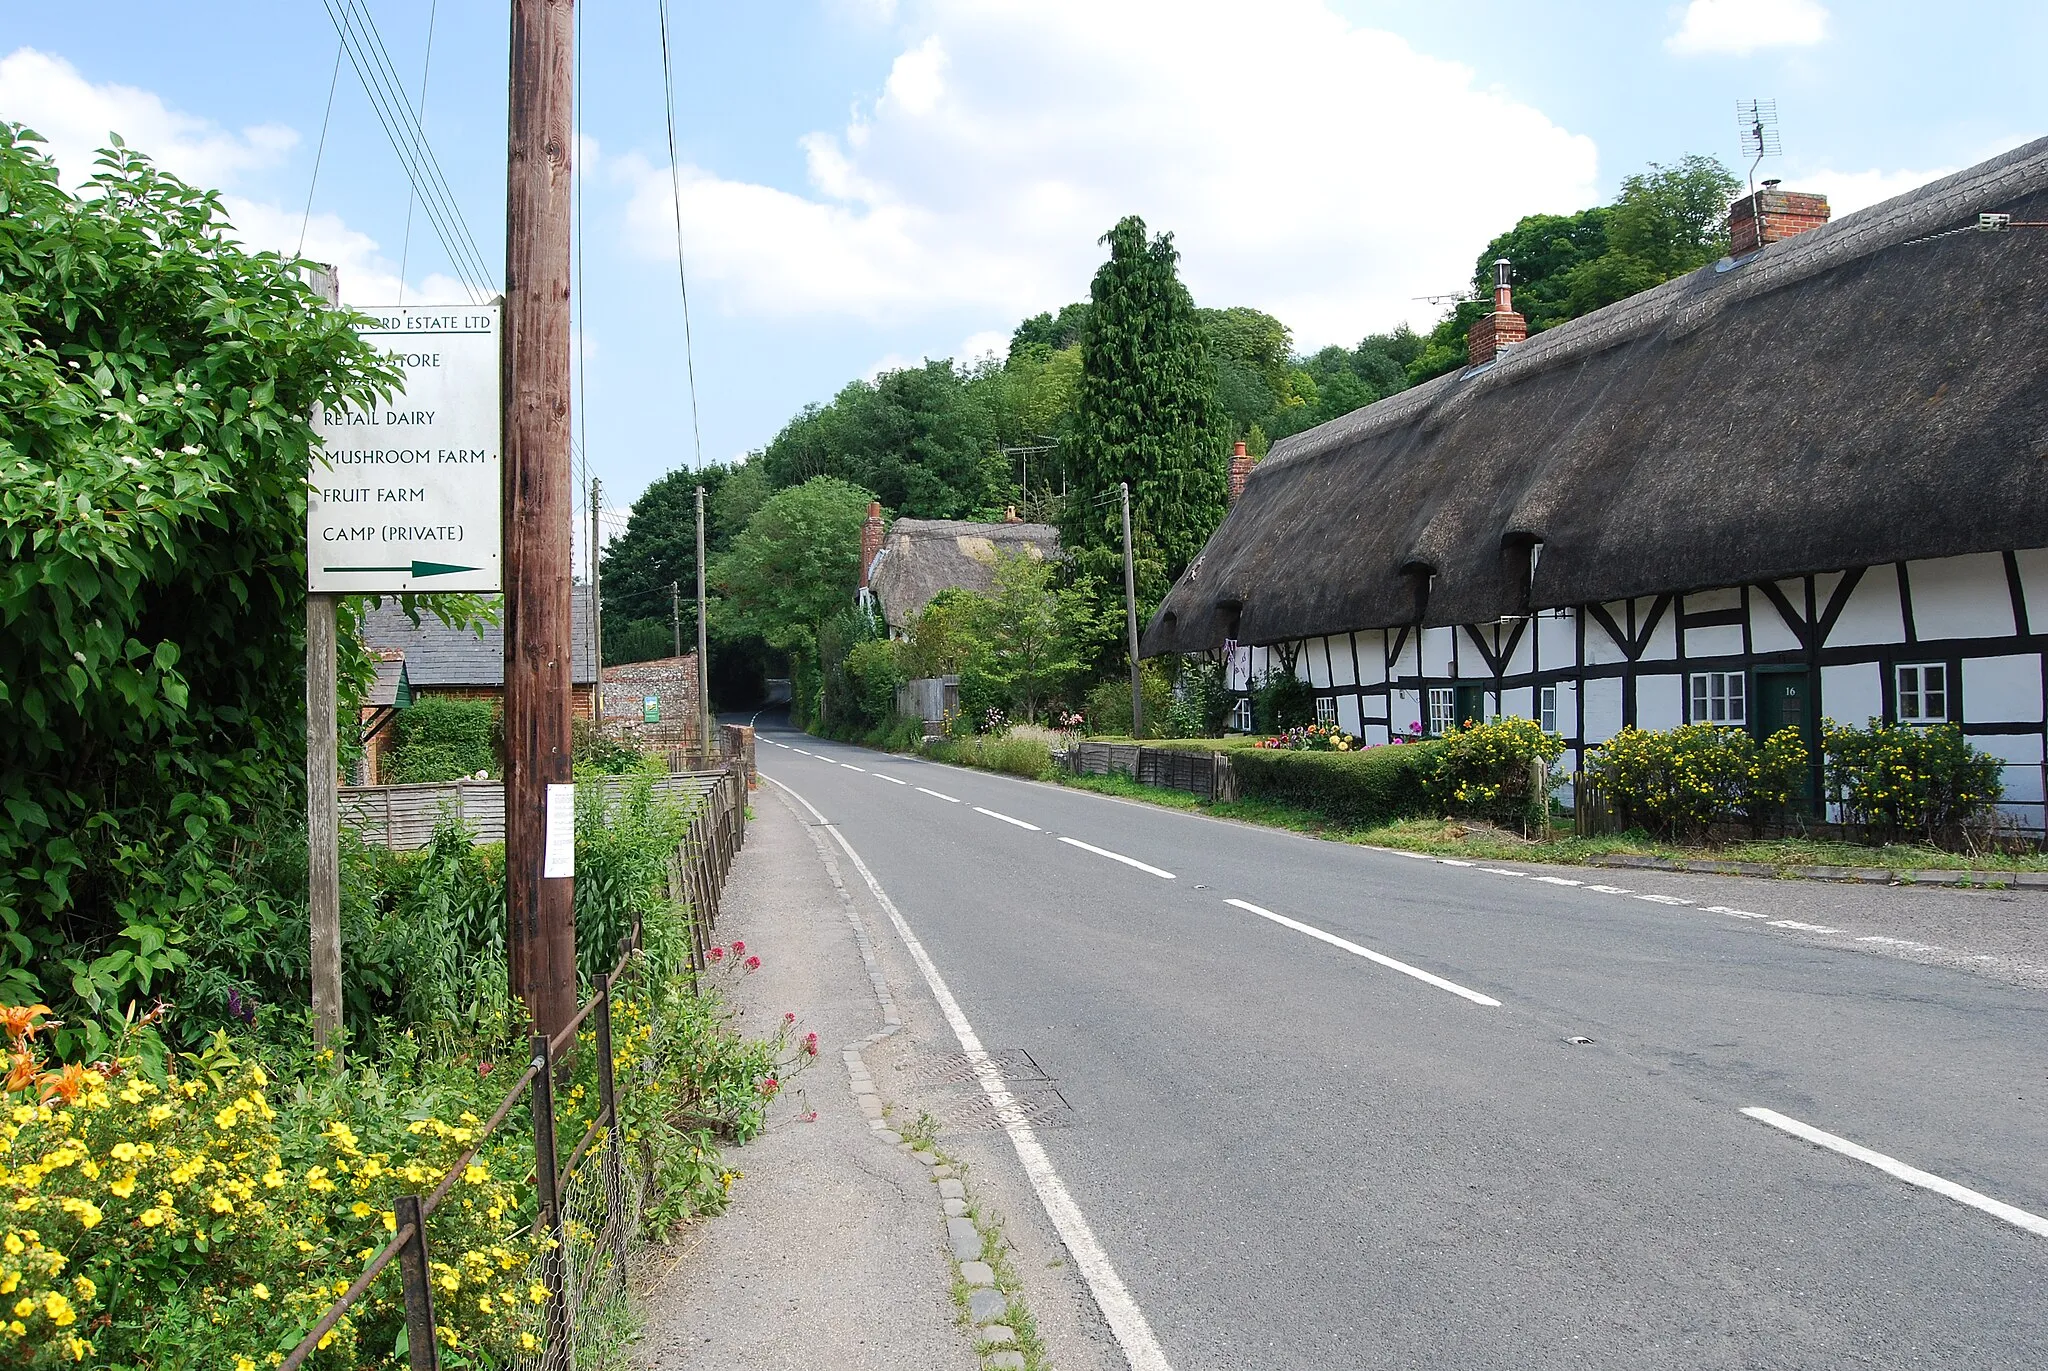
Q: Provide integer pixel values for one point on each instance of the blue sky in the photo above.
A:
(869, 182)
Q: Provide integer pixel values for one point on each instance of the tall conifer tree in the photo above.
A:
(1145, 416)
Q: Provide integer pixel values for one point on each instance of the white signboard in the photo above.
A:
(406, 495)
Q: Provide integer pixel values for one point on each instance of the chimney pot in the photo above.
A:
(1495, 332)
(1241, 464)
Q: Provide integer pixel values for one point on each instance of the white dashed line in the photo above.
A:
(1556, 880)
(1737, 913)
(1610, 890)
(851, 767)
(890, 779)
(1664, 899)
(1007, 819)
(1453, 861)
(1114, 856)
(936, 796)
(1906, 943)
(1501, 871)
(800, 750)
(1911, 1175)
(1333, 940)
(1797, 926)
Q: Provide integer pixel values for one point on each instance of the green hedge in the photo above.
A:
(1016, 756)
(443, 738)
(1355, 789)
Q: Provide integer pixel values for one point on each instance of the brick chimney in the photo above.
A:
(1495, 333)
(1241, 464)
(1770, 216)
(870, 540)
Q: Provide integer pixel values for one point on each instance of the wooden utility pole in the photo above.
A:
(539, 795)
(596, 604)
(323, 770)
(703, 667)
(675, 613)
(1131, 619)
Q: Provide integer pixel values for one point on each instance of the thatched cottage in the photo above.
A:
(905, 564)
(1808, 480)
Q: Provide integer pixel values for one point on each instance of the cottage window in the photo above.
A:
(1326, 709)
(1443, 710)
(1923, 694)
(1718, 697)
(1241, 716)
(1546, 708)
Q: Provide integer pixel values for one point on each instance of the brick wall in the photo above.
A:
(1772, 216)
(1491, 333)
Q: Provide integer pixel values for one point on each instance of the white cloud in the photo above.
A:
(50, 95)
(1849, 191)
(1740, 27)
(1011, 135)
(993, 342)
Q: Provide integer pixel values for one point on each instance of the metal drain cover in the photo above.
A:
(1013, 1064)
(1039, 1105)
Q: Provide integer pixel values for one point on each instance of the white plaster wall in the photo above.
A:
(1436, 651)
(1663, 644)
(1768, 631)
(1960, 597)
(1707, 601)
(1852, 694)
(1405, 708)
(2002, 690)
(1347, 714)
(1372, 658)
(1519, 703)
(1603, 709)
(1341, 668)
(1872, 614)
(2021, 754)
(1568, 708)
(1660, 702)
(1560, 638)
(1523, 658)
(1374, 734)
(1310, 665)
(2034, 586)
(1600, 646)
(1722, 640)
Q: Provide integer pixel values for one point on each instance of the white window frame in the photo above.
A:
(1919, 684)
(1718, 697)
(1546, 708)
(1326, 710)
(1241, 715)
(1442, 705)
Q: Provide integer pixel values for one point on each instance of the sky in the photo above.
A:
(866, 183)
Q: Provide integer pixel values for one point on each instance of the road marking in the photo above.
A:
(1803, 928)
(1911, 1175)
(851, 767)
(1903, 942)
(1610, 890)
(1556, 880)
(1126, 1321)
(936, 796)
(798, 749)
(1452, 861)
(1114, 856)
(1007, 819)
(1501, 871)
(1333, 940)
(1737, 913)
(1663, 899)
(890, 779)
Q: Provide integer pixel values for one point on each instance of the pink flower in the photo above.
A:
(738, 947)
(753, 963)
(717, 954)
(811, 1043)
(484, 1068)
(811, 1117)
(769, 1085)
(789, 1017)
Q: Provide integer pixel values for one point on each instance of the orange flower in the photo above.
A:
(19, 1022)
(21, 1072)
(66, 1084)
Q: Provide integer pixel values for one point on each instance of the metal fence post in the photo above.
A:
(422, 1352)
(554, 1262)
(608, 1102)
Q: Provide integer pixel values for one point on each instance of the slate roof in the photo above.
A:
(921, 557)
(436, 655)
(1855, 395)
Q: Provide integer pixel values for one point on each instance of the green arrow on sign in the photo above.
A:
(416, 570)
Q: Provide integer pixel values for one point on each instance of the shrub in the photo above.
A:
(443, 738)
(1353, 789)
(1902, 780)
(1282, 700)
(1027, 757)
(874, 669)
(1201, 705)
(1679, 781)
(598, 753)
(1107, 708)
(1485, 770)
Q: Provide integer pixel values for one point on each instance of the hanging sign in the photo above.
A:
(406, 494)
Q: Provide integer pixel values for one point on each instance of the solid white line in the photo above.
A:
(851, 767)
(1007, 819)
(1911, 1175)
(890, 779)
(1126, 1321)
(1117, 857)
(936, 796)
(1333, 940)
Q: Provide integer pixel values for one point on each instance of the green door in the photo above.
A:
(1784, 699)
(1470, 704)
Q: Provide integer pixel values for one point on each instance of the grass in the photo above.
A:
(1469, 839)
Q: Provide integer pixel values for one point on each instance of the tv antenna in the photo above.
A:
(1759, 122)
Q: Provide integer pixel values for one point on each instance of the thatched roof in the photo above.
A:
(921, 557)
(1844, 398)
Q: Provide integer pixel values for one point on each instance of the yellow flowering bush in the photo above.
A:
(1905, 780)
(1485, 770)
(1678, 781)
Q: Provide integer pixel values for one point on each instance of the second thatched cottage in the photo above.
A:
(1810, 479)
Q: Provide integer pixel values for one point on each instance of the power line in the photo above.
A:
(319, 152)
(675, 187)
(426, 68)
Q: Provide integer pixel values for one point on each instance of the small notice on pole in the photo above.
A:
(406, 495)
(560, 856)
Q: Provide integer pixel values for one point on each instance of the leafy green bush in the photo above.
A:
(1107, 706)
(1678, 781)
(1016, 756)
(1352, 789)
(1485, 770)
(155, 385)
(598, 753)
(874, 669)
(1282, 700)
(443, 738)
(1201, 705)
(1903, 780)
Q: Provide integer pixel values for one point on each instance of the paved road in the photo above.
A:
(1298, 1156)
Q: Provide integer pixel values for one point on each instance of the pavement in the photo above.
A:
(1314, 1105)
